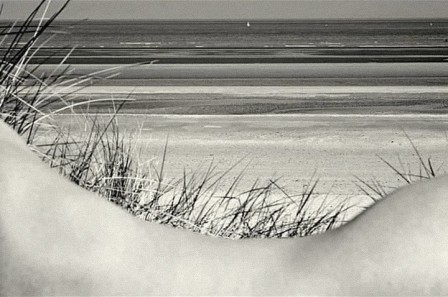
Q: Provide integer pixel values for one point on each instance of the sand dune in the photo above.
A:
(57, 239)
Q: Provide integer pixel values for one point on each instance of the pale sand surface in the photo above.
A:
(292, 147)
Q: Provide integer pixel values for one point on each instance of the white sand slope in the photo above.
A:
(58, 239)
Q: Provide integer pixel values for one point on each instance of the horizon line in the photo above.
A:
(424, 19)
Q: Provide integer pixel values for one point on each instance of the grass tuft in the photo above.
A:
(375, 190)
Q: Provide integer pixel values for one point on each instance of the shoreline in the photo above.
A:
(245, 100)
(250, 90)
(282, 116)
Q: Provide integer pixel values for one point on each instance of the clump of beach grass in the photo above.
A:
(375, 190)
(29, 100)
(104, 160)
(18, 107)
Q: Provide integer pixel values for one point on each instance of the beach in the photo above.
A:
(292, 101)
(332, 133)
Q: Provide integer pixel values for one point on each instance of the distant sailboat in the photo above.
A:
(248, 25)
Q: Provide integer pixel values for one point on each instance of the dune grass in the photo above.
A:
(104, 159)
(426, 170)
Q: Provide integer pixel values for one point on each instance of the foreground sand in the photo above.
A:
(56, 239)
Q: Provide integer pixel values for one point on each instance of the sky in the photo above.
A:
(237, 9)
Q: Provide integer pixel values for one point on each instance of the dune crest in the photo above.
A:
(57, 239)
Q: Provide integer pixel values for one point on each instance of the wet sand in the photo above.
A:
(131, 53)
(264, 70)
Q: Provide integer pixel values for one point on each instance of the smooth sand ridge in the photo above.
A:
(56, 238)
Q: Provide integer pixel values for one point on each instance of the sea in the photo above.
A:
(203, 56)
(221, 42)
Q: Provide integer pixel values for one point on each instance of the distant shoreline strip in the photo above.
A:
(248, 90)
(284, 116)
